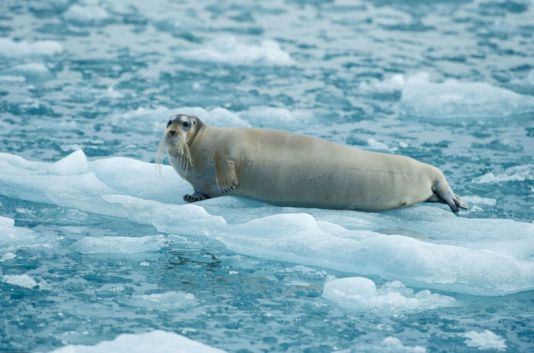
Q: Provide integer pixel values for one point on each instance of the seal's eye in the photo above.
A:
(169, 123)
(186, 125)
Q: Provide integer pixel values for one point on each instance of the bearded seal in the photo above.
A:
(294, 170)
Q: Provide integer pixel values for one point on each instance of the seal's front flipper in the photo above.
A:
(197, 196)
(226, 174)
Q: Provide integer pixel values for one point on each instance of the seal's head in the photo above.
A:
(182, 129)
(180, 133)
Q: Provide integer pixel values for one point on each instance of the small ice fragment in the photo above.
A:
(7, 256)
(377, 145)
(9, 47)
(484, 340)
(168, 300)
(20, 280)
(361, 294)
(517, 173)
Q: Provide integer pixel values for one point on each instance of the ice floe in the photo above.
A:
(31, 70)
(11, 48)
(517, 173)
(231, 51)
(361, 294)
(86, 12)
(485, 340)
(424, 246)
(451, 99)
(13, 237)
(23, 280)
(474, 199)
(153, 341)
(388, 345)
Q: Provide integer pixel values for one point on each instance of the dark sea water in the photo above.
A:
(95, 243)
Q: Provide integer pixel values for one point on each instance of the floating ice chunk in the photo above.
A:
(153, 342)
(12, 237)
(12, 78)
(452, 99)
(388, 345)
(120, 245)
(31, 70)
(166, 301)
(479, 200)
(20, 280)
(6, 222)
(485, 340)
(377, 145)
(389, 86)
(517, 173)
(393, 344)
(361, 294)
(7, 256)
(280, 118)
(230, 51)
(144, 120)
(86, 12)
(9, 47)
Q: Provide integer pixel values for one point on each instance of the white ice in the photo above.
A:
(12, 48)
(516, 173)
(23, 280)
(424, 246)
(362, 294)
(86, 12)
(388, 345)
(230, 50)
(13, 238)
(485, 340)
(153, 342)
(426, 99)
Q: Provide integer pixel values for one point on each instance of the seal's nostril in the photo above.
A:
(172, 132)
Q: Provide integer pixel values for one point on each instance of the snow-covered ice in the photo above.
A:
(153, 341)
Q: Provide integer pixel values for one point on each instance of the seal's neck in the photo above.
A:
(199, 130)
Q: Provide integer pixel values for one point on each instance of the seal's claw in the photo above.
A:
(197, 196)
(227, 190)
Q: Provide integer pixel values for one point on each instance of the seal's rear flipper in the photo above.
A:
(445, 194)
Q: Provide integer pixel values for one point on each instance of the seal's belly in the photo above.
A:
(343, 179)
